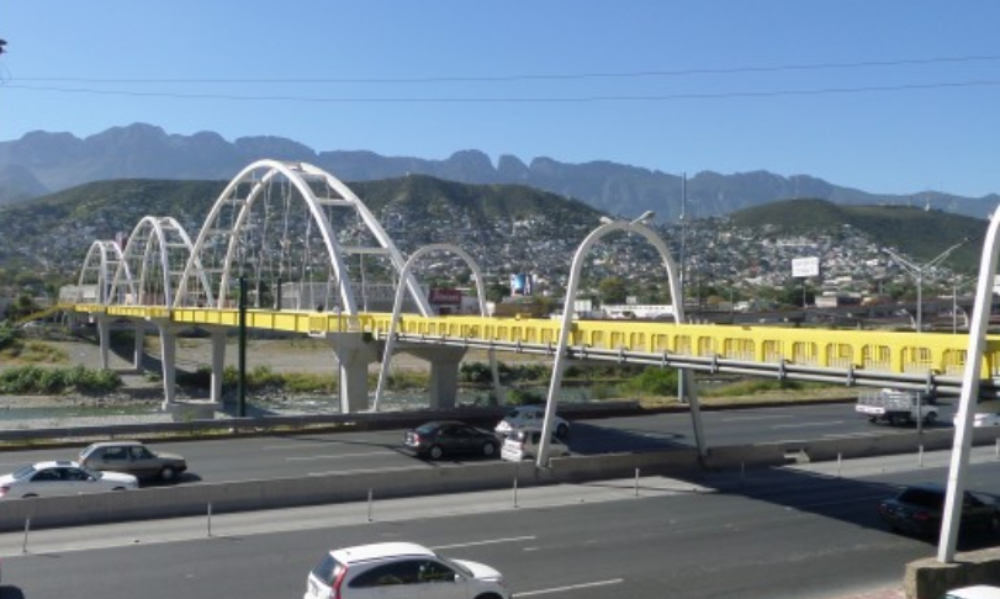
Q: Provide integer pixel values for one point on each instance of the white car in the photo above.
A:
(522, 444)
(982, 419)
(62, 478)
(531, 417)
(974, 592)
(403, 571)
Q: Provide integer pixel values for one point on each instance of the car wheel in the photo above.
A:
(930, 418)
(435, 452)
(562, 431)
(489, 449)
(118, 489)
(167, 474)
(488, 596)
(29, 496)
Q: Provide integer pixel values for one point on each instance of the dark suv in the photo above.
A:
(918, 510)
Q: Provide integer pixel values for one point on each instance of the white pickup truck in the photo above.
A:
(893, 406)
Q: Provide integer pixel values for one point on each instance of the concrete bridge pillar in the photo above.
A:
(354, 353)
(140, 344)
(104, 335)
(219, 338)
(445, 362)
(168, 360)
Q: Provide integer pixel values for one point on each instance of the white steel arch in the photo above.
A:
(397, 306)
(676, 294)
(157, 251)
(231, 220)
(99, 267)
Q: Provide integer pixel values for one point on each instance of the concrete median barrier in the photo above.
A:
(194, 499)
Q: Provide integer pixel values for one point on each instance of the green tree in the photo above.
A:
(612, 290)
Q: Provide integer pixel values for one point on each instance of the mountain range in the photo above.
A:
(41, 163)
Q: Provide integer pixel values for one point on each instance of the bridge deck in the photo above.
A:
(793, 352)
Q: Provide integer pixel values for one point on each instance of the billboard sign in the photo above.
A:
(445, 296)
(805, 267)
(520, 284)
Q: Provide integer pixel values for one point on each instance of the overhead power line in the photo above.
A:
(517, 99)
(526, 77)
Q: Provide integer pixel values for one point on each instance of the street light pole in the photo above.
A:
(918, 273)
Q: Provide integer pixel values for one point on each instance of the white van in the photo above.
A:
(523, 443)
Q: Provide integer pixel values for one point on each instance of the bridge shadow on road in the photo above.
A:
(827, 494)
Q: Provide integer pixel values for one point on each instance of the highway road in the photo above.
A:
(794, 532)
(248, 458)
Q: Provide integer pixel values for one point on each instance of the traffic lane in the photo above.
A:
(732, 427)
(249, 458)
(791, 544)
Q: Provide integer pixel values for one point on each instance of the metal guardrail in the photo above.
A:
(783, 370)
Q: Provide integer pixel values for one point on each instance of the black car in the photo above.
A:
(436, 439)
(919, 509)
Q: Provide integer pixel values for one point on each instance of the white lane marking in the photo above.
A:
(572, 587)
(334, 456)
(851, 435)
(349, 471)
(487, 542)
(749, 418)
(302, 446)
(803, 424)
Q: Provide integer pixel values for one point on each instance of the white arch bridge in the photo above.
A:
(316, 261)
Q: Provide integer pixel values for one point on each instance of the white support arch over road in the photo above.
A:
(676, 295)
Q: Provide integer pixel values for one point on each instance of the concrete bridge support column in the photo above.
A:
(354, 354)
(218, 362)
(140, 344)
(168, 358)
(104, 335)
(445, 362)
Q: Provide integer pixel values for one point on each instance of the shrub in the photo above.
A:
(523, 397)
(34, 379)
(653, 381)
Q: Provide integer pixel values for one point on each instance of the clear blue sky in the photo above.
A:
(889, 96)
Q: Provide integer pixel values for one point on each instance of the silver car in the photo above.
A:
(62, 478)
(134, 458)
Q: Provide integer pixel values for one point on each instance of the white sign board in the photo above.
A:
(805, 267)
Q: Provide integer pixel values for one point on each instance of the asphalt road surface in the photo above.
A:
(233, 459)
(793, 532)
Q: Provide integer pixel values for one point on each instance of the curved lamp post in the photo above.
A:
(918, 273)
(397, 307)
(637, 226)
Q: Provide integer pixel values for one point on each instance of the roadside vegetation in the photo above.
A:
(38, 380)
(16, 347)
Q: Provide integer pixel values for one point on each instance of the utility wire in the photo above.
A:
(537, 76)
(517, 99)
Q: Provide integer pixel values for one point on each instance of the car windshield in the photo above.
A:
(428, 428)
(24, 472)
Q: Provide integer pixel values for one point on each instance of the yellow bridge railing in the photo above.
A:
(936, 354)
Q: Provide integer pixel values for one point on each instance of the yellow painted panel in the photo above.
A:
(773, 351)
(739, 349)
(805, 352)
